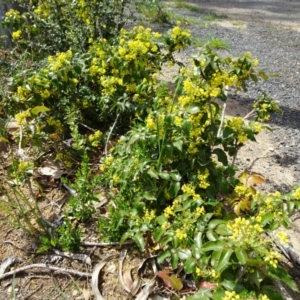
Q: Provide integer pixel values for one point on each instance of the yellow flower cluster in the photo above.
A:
(42, 11)
(16, 34)
(263, 297)
(149, 215)
(12, 13)
(283, 238)
(95, 138)
(45, 94)
(190, 189)
(271, 258)
(116, 178)
(200, 211)
(256, 127)
(236, 123)
(56, 124)
(65, 158)
(22, 94)
(178, 35)
(168, 212)
(241, 227)
(181, 234)
(296, 194)
(60, 60)
(202, 177)
(24, 166)
(21, 116)
(107, 162)
(231, 296)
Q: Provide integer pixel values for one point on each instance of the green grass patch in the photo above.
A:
(213, 16)
(213, 42)
(182, 4)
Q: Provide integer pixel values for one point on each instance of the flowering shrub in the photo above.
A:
(52, 26)
(170, 177)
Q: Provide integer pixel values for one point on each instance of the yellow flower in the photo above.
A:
(296, 194)
(255, 62)
(202, 177)
(242, 138)
(283, 237)
(45, 94)
(23, 166)
(181, 234)
(200, 211)
(231, 296)
(168, 212)
(21, 117)
(236, 123)
(149, 215)
(150, 123)
(263, 297)
(16, 34)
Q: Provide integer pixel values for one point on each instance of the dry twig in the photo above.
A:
(47, 267)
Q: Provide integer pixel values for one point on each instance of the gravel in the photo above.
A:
(278, 51)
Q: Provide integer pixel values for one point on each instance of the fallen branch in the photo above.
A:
(109, 134)
(92, 244)
(48, 267)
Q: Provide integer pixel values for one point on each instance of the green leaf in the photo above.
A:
(186, 127)
(224, 260)
(161, 257)
(255, 262)
(222, 157)
(43, 249)
(196, 251)
(77, 69)
(229, 284)
(215, 258)
(174, 189)
(125, 236)
(222, 229)
(266, 219)
(214, 223)
(38, 109)
(153, 173)
(189, 265)
(149, 196)
(216, 246)
(164, 175)
(198, 239)
(202, 294)
(241, 256)
(139, 239)
(158, 233)
(254, 77)
(175, 175)
(272, 294)
(178, 144)
(212, 236)
(174, 260)
(184, 254)
(166, 240)
(281, 274)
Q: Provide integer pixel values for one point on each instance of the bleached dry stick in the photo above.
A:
(47, 267)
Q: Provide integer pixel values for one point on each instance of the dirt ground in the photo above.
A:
(261, 157)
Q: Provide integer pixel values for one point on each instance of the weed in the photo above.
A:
(213, 16)
(183, 4)
(153, 10)
(213, 42)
